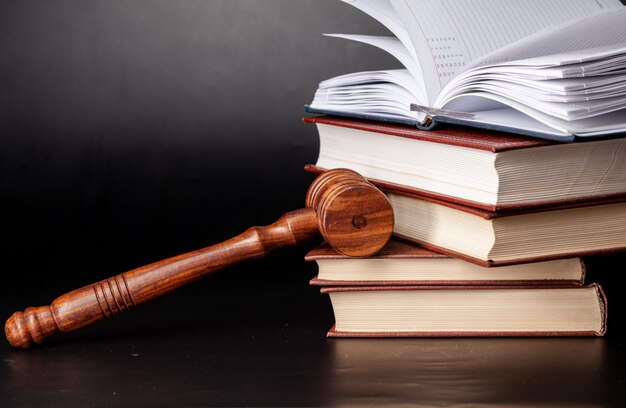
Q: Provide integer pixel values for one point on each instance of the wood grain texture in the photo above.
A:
(348, 211)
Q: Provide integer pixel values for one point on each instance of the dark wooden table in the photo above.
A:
(255, 336)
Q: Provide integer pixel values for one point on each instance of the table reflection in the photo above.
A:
(527, 372)
(302, 368)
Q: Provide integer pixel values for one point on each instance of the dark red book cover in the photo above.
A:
(396, 249)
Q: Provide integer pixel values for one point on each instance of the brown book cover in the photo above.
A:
(397, 250)
(601, 298)
(332, 332)
(491, 141)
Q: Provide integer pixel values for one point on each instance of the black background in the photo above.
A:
(137, 129)
(131, 131)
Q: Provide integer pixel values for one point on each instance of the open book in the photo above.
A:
(552, 69)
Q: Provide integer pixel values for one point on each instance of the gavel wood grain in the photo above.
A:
(342, 207)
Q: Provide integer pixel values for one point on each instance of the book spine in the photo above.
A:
(604, 307)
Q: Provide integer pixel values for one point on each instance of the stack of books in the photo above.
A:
(489, 231)
(493, 212)
(410, 291)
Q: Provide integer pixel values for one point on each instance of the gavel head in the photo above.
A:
(354, 217)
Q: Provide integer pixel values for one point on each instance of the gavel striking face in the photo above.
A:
(348, 211)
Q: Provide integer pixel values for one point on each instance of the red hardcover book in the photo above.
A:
(472, 311)
(506, 238)
(491, 170)
(400, 263)
(496, 238)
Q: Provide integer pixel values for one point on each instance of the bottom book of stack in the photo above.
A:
(408, 291)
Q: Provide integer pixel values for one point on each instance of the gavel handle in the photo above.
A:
(110, 297)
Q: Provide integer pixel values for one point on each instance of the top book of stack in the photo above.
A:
(549, 69)
(489, 170)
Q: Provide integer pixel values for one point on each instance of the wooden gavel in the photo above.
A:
(349, 212)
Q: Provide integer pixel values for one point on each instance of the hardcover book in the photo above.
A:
(484, 169)
(550, 69)
(400, 263)
(426, 311)
(504, 238)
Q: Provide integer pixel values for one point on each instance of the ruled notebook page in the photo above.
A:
(449, 34)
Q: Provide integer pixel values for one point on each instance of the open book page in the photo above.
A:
(571, 105)
(382, 93)
(594, 38)
(383, 12)
(449, 34)
(394, 47)
(582, 51)
(595, 62)
(555, 87)
(520, 116)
